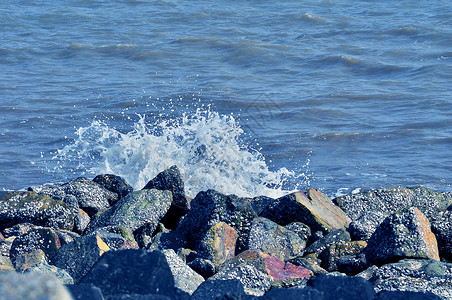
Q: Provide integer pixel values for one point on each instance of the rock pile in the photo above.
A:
(99, 239)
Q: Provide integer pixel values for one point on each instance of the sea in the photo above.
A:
(246, 97)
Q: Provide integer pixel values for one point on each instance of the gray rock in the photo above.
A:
(307, 293)
(132, 271)
(220, 289)
(203, 267)
(114, 183)
(416, 276)
(134, 210)
(31, 286)
(22, 207)
(60, 274)
(441, 224)
(210, 208)
(78, 257)
(405, 235)
(271, 238)
(363, 227)
(302, 230)
(17, 229)
(342, 287)
(399, 295)
(185, 278)
(84, 291)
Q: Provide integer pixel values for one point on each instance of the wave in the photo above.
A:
(206, 146)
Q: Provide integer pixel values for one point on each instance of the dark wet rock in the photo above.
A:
(333, 253)
(17, 229)
(22, 207)
(441, 224)
(134, 210)
(114, 183)
(302, 230)
(185, 278)
(78, 257)
(210, 208)
(38, 238)
(399, 295)
(203, 267)
(67, 237)
(132, 271)
(307, 293)
(32, 285)
(187, 255)
(29, 259)
(218, 244)
(271, 238)
(171, 180)
(82, 220)
(168, 240)
(255, 282)
(352, 264)
(258, 203)
(342, 287)
(334, 237)
(142, 297)
(220, 289)
(310, 207)
(309, 264)
(84, 291)
(404, 235)
(416, 276)
(45, 268)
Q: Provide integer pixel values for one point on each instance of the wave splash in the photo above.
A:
(206, 146)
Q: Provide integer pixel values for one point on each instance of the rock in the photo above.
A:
(91, 196)
(218, 244)
(203, 267)
(185, 278)
(302, 230)
(22, 207)
(363, 227)
(24, 261)
(333, 253)
(168, 240)
(171, 180)
(82, 220)
(271, 265)
(114, 183)
(84, 291)
(308, 264)
(271, 238)
(134, 210)
(399, 295)
(441, 224)
(309, 207)
(187, 255)
(78, 257)
(342, 287)
(307, 293)
(405, 235)
(334, 237)
(45, 268)
(258, 203)
(255, 282)
(132, 271)
(210, 208)
(352, 264)
(17, 286)
(17, 229)
(220, 289)
(38, 238)
(5, 246)
(415, 275)
(113, 240)
(6, 264)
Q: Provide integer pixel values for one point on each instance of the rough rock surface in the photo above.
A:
(135, 210)
(416, 276)
(302, 230)
(185, 278)
(132, 272)
(405, 235)
(114, 183)
(84, 291)
(342, 287)
(78, 257)
(334, 237)
(218, 244)
(32, 286)
(22, 207)
(332, 254)
(441, 224)
(27, 260)
(220, 289)
(203, 267)
(271, 238)
(310, 207)
(210, 208)
(60, 274)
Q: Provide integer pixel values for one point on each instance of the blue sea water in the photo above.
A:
(247, 97)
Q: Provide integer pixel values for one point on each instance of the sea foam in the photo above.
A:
(206, 146)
